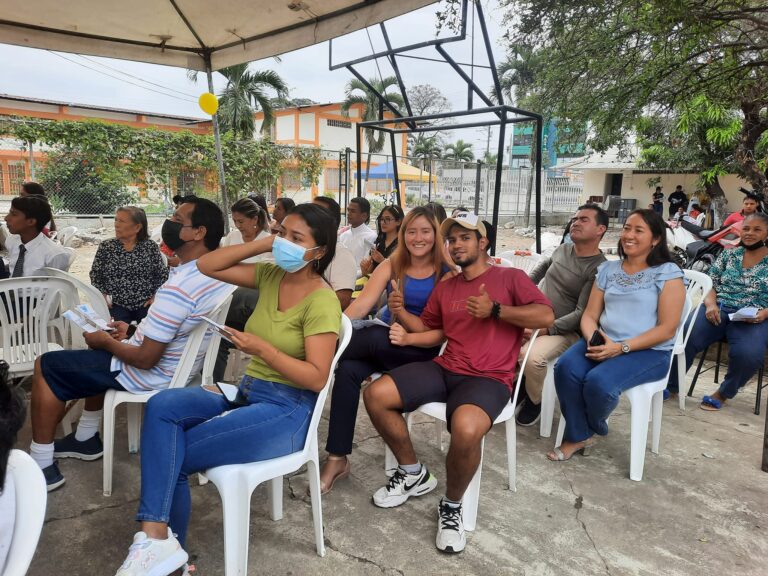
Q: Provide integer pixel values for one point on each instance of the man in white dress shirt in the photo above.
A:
(359, 239)
(29, 249)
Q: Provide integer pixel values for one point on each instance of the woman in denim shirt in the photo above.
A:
(635, 306)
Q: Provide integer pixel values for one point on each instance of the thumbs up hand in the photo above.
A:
(395, 301)
(480, 306)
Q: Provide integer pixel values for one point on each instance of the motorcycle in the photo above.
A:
(695, 248)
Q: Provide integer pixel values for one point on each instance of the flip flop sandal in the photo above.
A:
(710, 404)
(561, 457)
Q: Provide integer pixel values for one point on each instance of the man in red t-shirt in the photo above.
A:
(748, 207)
(482, 313)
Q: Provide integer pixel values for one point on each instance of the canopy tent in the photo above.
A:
(404, 172)
(194, 34)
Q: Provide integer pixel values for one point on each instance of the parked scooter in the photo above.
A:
(696, 248)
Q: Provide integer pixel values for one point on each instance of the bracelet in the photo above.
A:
(496, 310)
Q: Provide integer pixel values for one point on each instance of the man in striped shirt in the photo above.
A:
(137, 361)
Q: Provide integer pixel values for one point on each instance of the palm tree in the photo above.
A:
(517, 73)
(490, 158)
(358, 93)
(427, 149)
(459, 151)
(245, 93)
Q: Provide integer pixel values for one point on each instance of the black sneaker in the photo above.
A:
(53, 477)
(529, 414)
(71, 447)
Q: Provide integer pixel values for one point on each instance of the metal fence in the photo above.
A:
(77, 189)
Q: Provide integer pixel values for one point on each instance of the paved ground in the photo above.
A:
(701, 509)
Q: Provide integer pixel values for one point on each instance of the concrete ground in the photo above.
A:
(702, 508)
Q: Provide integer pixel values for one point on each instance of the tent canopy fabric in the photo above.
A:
(405, 172)
(186, 33)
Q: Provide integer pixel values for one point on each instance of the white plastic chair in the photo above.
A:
(525, 263)
(85, 293)
(26, 306)
(31, 499)
(182, 376)
(646, 403)
(472, 495)
(548, 399)
(66, 235)
(236, 482)
(699, 285)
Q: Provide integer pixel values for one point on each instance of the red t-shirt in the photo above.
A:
(481, 347)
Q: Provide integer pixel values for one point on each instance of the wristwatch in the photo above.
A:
(624, 347)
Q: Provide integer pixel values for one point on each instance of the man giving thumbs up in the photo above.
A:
(482, 313)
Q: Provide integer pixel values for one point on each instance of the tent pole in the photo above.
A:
(217, 144)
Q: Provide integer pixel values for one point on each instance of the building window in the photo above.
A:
(338, 123)
(16, 176)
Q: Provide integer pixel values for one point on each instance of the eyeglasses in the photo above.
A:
(387, 220)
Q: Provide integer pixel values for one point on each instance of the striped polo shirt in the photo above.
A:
(175, 313)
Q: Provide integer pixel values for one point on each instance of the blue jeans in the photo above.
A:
(589, 391)
(187, 430)
(746, 349)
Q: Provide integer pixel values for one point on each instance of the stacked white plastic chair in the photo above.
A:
(237, 482)
(31, 499)
(26, 306)
(135, 401)
(507, 416)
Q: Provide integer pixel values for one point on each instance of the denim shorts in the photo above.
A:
(74, 374)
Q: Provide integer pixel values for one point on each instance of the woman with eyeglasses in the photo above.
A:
(388, 224)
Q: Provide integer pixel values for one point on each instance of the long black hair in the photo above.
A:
(13, 412)
(321, 222)
(659, 254)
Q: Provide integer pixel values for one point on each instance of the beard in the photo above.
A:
(465, 260)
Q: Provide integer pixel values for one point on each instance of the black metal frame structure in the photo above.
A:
(408, 124)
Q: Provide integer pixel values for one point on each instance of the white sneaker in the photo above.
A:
(402, 486)
(450, 529)
(151, 557)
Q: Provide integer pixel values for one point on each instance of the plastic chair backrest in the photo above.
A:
(524, 263)
(31, 499)
(699, 285)
(66, 235)
(26, 305)
(93, 296)
(190, 356)
(72, 257)
(345, 335)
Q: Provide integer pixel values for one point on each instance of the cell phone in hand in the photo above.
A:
(232, 394)
(596, 339)
(221, 329)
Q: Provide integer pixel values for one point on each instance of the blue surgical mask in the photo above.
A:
(289, 256)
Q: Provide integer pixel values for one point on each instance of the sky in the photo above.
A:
(161, 89)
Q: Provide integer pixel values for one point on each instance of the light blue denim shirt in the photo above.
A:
(632, 301)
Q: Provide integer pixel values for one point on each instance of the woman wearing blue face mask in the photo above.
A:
(291, 337)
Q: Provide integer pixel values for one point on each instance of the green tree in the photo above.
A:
(607, 63)
(358, 94)
(427, 149)
(79, 186)
(246, 92)
(696, 137)
(459, 151)
(517, 73)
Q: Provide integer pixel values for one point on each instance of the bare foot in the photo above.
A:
(335, 468)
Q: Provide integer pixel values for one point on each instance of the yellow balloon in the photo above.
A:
(209, 103)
